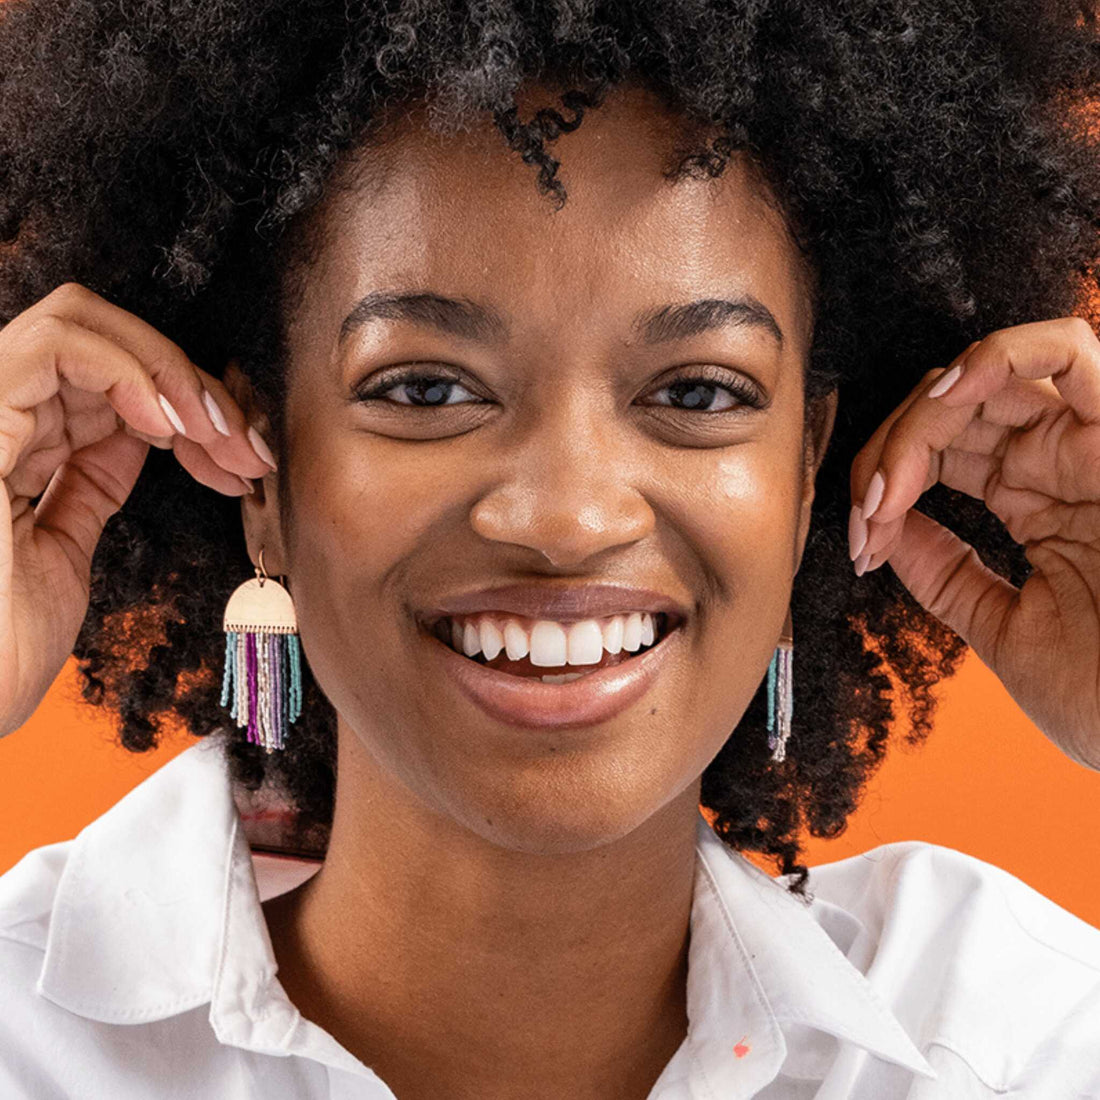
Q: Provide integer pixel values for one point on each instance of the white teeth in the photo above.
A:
(584, 643)
(548, 642)
(632, 631)
(613, 634)
(492, 641)
(553, 645)
(516, 641)
(471, 639)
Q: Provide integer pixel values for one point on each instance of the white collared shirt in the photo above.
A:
(135, 964)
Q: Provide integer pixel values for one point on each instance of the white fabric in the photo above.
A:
(135, 964)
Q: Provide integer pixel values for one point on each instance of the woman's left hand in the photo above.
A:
(1020, 429)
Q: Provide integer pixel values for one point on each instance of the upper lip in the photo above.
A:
(561, 604)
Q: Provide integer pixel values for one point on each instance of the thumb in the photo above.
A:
(947, 578)
(88, 488)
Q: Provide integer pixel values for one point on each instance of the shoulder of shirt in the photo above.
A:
(1006, 978)
(27, 893)
(875, 883)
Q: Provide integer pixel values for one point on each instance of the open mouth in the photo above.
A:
(663, 625)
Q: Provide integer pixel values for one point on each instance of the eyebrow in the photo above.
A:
(482, 324)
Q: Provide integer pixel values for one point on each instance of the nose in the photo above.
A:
(569, 492)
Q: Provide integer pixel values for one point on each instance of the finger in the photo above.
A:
(172, 372)
(893, 468)
(162, 442)
(899, 463)
(866, 462)
(873, 446)
(40, 356)
(1019, 404)
(195, 460)
(966, 471)
(199, 406)
(234, 450)
(1064, 349)
(947, 578)
(86, 490)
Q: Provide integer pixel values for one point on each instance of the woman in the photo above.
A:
(502, 319)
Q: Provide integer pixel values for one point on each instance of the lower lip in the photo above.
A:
(527, 701)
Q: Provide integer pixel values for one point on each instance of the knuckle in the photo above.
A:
(895, 448)
(47, 328)
(73, 291)
(862, 469)
(171, 361)
(1080, 330)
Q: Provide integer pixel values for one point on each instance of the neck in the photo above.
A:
(456, 966)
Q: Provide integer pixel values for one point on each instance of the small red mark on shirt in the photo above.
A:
(742, 1048)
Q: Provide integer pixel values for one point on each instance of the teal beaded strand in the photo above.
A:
(294, 654)
(230, 675)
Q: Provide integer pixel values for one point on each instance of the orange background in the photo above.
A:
(986, 782)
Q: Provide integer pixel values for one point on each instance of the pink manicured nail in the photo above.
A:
(247, 482)
(861, 564)
(946, 381)
(261, 448)
(857, 532)
(173, 416)
(875, 489)
(216, 416)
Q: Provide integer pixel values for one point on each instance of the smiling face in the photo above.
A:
(563, 438)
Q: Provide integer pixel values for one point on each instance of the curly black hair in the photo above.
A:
(933, 158)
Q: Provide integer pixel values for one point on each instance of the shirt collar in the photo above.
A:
(752, 930)
(143, 931)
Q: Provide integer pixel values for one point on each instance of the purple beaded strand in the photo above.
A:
(253, 730)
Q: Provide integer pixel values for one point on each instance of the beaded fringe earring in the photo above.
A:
(263, 673)
(781, 692)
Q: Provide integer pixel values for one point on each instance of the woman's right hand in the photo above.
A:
(80, 387)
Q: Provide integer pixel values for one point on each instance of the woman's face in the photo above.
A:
(560, 454)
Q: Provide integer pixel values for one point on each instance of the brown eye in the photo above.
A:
(696, 393)
(426, 391)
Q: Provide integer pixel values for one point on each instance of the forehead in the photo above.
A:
(460, 213)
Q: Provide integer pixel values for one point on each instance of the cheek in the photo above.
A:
(362, 509)
(368, 484)
(747, 508)
(745, 519)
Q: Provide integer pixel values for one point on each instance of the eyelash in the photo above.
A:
(745, 392)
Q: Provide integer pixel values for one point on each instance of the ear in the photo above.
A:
(260, 516)
(821, 418)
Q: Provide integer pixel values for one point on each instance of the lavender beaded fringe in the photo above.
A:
(263, 676)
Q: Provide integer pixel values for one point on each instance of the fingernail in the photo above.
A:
(261, 448)
(247, 482)
(946, 381)
(857, 532)
(861, 564)
(875, 490)
(171, 413)
(217, 418)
